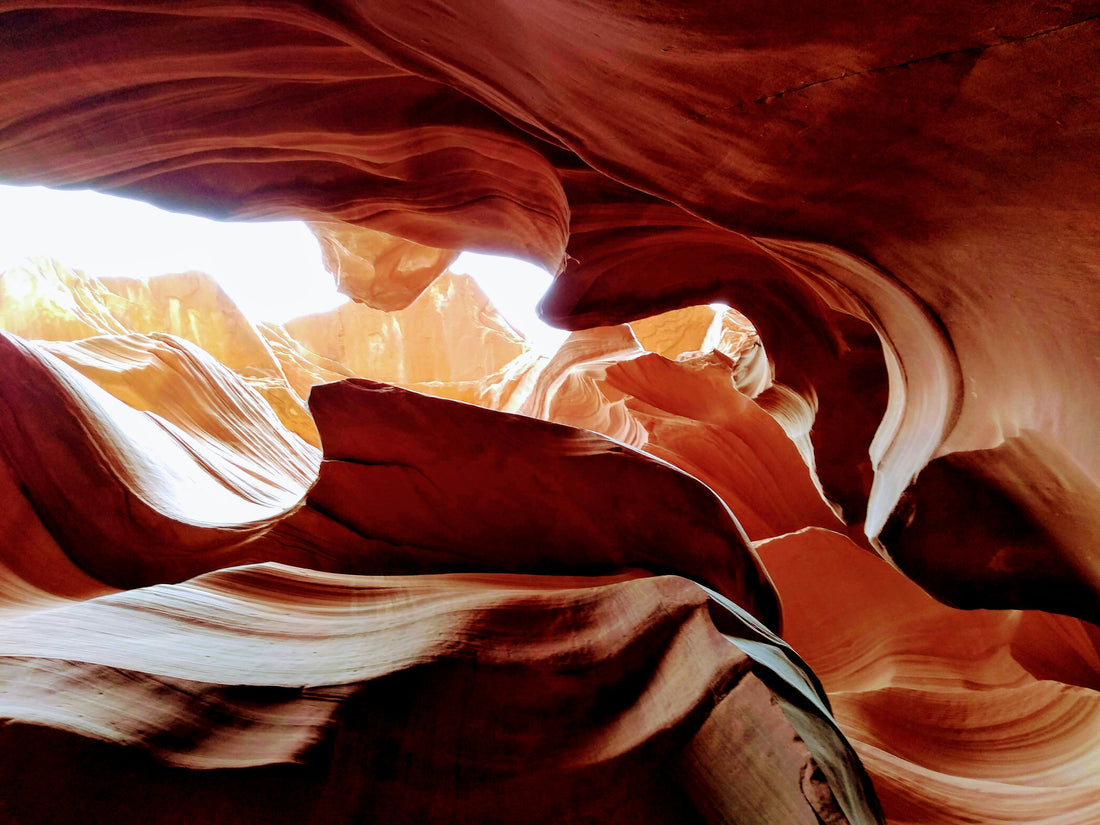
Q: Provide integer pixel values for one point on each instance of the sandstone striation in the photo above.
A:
(900, 199)
(251, 668)
(944, 706)
(44, 300)
(690, 413)
(489, 128)
(189, 677)
(450, 342)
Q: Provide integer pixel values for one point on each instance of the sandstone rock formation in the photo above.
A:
(651, 680)
(448, 342)
(41, 299)
(378, 269)
(901, 198)
(690, 413)
(944, 706)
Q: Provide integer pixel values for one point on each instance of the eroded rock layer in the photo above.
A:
(690, 413)
(42, 299)
(946, 707)
(828, 193)
(377, 269)
(449, 342)
(902, 199)
(650, 678)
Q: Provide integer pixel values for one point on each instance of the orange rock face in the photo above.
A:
(265, 670)
(944, 706)
(378, 269)
(449, 342)
(689, 413)
(44, 300)
(467, 615)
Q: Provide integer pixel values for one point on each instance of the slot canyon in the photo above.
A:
(801, 524)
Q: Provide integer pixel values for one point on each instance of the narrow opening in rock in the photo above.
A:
(272, 270)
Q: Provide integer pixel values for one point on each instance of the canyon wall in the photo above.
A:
(565, 600)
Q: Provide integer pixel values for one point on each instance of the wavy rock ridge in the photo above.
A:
(264, 665)
(903, 203)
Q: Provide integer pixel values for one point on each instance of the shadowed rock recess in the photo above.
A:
(828, 556)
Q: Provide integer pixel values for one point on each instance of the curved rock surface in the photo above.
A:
(502, 128)
(690, 413)
(945, 706)
(441, 687)
(653, 679)
(901, 198)
(448, 342)
(378, 269)
(133, 497)
(42, 299)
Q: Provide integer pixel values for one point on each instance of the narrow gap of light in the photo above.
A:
(514, 287)
(271, 270)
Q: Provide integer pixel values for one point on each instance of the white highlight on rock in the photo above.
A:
(272, 270)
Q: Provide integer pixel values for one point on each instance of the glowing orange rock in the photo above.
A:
(687, 412)
(377, 269)
(303, 369)
(42, 299)
(695, 329)
(136, 498)
(950, 724)
(45, 300)
(449, 342)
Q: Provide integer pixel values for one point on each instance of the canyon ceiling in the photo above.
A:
(560, 600)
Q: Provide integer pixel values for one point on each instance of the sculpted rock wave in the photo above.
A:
(654, 679)
(448, 342)
(901, 201)
(946, 707)
(42, 299)
(690, 413)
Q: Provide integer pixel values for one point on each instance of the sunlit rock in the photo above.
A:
(44, 300)
(449, 342)
(303, 368)
(135, 497)
(901, 201)
(377, 269)
(943, 705)
(690, 413)
(695, 329)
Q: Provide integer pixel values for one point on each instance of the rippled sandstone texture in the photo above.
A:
(43, 300)
(179, 601)
(449, 341)
(902, 199)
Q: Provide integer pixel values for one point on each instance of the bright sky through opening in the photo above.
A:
(271, 270)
